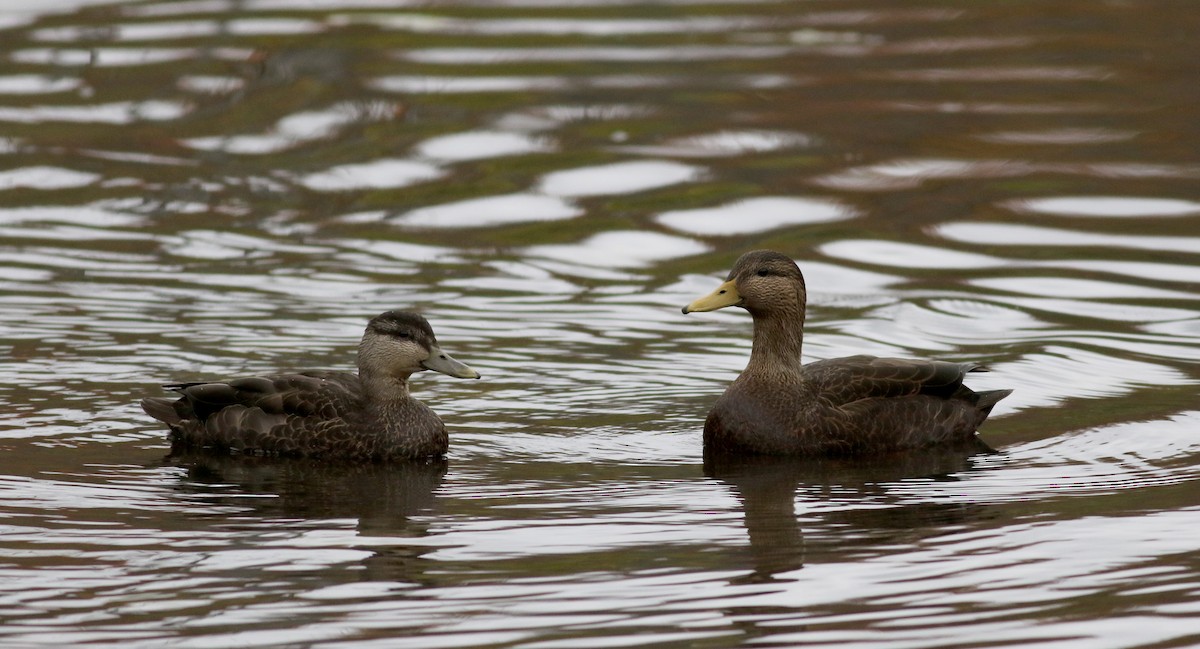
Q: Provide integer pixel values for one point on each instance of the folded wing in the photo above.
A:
(251, 413)
(843, 381)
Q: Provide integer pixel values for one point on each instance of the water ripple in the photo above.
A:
(380, 174)
(1107, 206)
(491, 211)
(755, 215)
(125, 112)
(1021, 235)
(218, 187)
(496, 56)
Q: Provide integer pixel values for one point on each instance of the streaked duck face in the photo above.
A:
(762, 282)
(399, 343)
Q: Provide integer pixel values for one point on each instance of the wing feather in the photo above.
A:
(251, 412)
(846, 380)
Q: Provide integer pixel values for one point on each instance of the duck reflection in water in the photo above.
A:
(839, 425)
(768, 486)
(324, 444)
(387, 499)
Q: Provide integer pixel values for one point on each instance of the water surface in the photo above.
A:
(197, 189)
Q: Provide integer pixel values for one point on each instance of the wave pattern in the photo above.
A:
(202, 188)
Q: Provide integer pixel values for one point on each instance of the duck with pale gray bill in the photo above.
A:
(840, 406)
(323, 414)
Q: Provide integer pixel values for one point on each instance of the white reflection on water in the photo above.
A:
(135, 32)
(941, 326)
(45, 178)
(477, 145)
(64, 493)
(1113, 312)
(517, 278)
(431, 84)
(618, 178)
(620, 249)
(1057, 373)
(540, 118)
(125, 112)
(37, 84)
(491, 211)
(273, 26)
(210, 84)
(493, 56)
(427, 84)
(185, 7)
(215, 244)
(1120, 455)
(138, 157)
(381, 174)
(621, 27)
(1078, 288)
(80, 215)
(394, 250)
(947, 574)
(722, 143)
(165, 31)
(908, 255)
(1024, 235)
(912, 173)
(298, 128)
(1059, 136)
(104, 56)
(841, 283)
(1141, 270)
(1106, 206)
(939, 45)
(755, 215)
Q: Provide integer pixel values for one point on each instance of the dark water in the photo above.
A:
(193, 189)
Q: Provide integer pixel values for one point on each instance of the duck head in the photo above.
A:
(399, 343)
(763, 282)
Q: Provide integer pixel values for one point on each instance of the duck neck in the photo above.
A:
(778, 338)
(382, 388)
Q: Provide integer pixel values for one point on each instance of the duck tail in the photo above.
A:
(984, 401)
(162, 409)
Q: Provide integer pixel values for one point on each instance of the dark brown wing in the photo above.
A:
(305, 394)
(853, 378)
(271, 414)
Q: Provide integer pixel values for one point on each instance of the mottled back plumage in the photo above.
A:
(842, 406)
(324, 414)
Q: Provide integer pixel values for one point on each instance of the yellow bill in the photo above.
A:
(725, 295)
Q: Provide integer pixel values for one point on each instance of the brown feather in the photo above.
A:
(325, 414)
(853, 405)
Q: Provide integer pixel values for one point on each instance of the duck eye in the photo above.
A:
(763, 272)
(403, 334)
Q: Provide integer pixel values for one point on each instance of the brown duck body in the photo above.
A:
(849, 406)
(842, 406)
(309, 414)
(322, 414)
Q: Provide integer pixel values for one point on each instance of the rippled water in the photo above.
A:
(211, 187)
